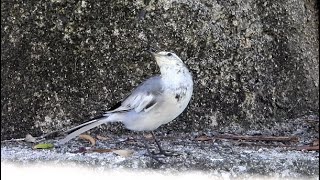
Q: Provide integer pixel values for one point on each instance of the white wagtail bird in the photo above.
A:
(156, 101)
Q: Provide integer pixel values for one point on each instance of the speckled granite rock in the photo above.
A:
(217, 159)
(254, 62)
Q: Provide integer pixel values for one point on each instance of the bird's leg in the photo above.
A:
(162, 151)
(158, 144)
(152, 155)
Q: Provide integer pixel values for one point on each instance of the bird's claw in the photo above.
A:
(166, 153)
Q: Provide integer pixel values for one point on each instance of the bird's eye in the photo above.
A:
(169, 54)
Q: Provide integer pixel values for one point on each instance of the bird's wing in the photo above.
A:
(143, 98)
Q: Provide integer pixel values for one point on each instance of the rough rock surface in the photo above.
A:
(255, 63)
(217, 159)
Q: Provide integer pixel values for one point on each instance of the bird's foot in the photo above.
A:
(166, 153)
(154, 156)
(159, 156)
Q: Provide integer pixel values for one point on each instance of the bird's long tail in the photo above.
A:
(75, 131)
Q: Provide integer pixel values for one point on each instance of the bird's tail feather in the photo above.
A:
(86, 127)
(69, 131)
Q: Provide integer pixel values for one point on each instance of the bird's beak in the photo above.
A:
(151, 52)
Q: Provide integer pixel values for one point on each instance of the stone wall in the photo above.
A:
(254, 62)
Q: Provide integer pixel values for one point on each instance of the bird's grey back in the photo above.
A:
(142, 97)
(150, 86)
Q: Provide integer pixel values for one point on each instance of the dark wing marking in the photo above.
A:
(118, 104)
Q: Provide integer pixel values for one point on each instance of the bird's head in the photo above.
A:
(164, 58)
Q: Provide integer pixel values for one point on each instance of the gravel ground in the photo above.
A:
(216, 159)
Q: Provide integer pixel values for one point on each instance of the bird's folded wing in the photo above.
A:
(143, 98)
